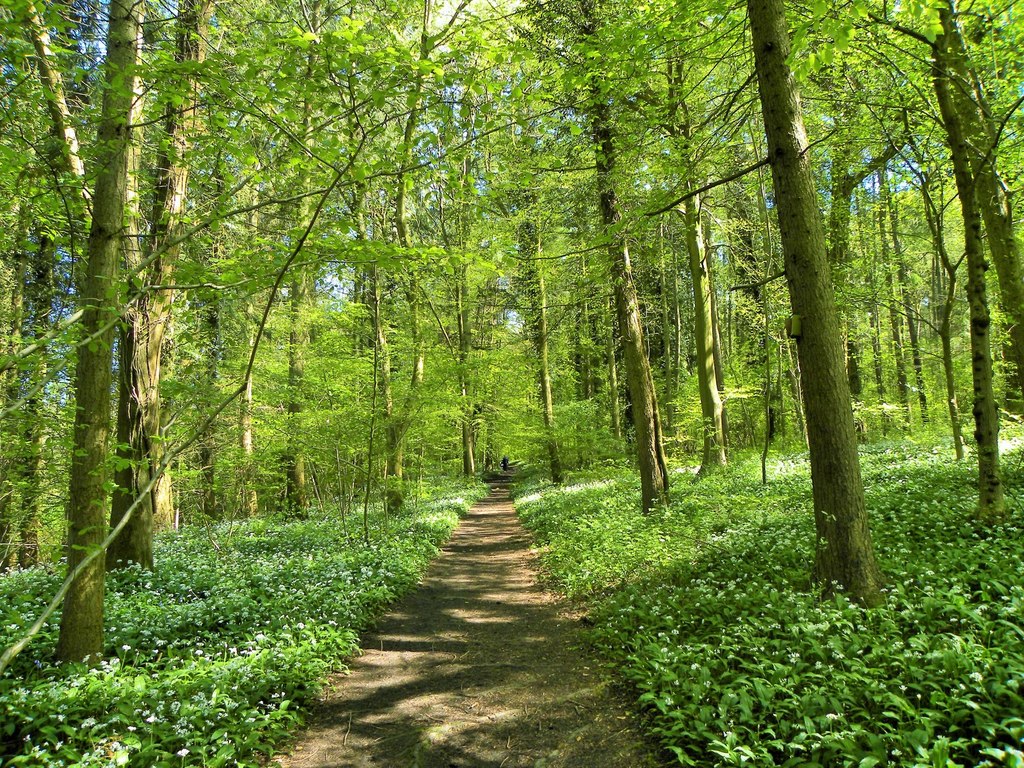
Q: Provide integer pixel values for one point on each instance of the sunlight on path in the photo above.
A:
(476, 668)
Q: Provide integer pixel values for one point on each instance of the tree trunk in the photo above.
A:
(10, 460)
(980, 133)
(665, 288)
(210, 311)
(793, 373)
(296, 485)
(713, 430)
(844, 555)
(895, 299)
(61, 124)
(613, 377)
(933, 215)
(81, 627)
(533, 279)
(399, 423)
(39, 300)
(717, 354)
(247, 472)
(909, 313)
(991, 502)
(644, 399)
(140, 421)
(297, 491)
(465, 347)
(382, 368)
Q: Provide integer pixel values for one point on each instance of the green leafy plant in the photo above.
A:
(211, 657)
(707, 609)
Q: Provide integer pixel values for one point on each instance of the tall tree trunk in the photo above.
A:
(643, 397)
(533, 279)
(398, 425)
(465, 347)
(382, 368)
(665, 288)
(718, 355)
(713, 429)
(10, 460)
(839, 257)
(300, 297)
(793, 374)
(140, 418)
(869, 246)
(895, 298)
(210, 311)
(582, 337)
(909, 312)
(980, 131)
(39, 301)
(933, 215)
(296, 485)
(613, 376)
(844, 555)
(61, 125)
(81, 627)
(991, 501)
(247, 480)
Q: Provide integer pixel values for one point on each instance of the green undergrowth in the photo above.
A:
(707, 609)
(211, 656)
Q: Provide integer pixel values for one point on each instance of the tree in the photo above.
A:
(533, 284)
(639, 378)
(991, 502)
(844, 554)
(141, 347)
(81, 628)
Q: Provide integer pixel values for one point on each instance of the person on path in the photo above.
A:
(504, 463)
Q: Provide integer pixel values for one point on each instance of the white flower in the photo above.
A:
(182, 752)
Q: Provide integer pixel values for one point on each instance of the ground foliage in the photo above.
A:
(210, 657)
(706, 608)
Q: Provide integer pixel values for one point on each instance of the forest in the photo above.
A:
(737, 287)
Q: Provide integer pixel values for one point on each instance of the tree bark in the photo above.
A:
(933, 215)
(713, 429)
(644, 399)
(300, 292)
(991, 501)
(613, 376)
(895, 297)
(399, 423)
(11, 388)
(39, 300)
(210, 317)
(81, 627)
(967, 101)
(465, 347)
(300, 297)
(56, 101)
(910, 314)
(533, 280)
(140, 418)
(844, 555)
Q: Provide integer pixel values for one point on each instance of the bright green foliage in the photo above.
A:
(211, 656)
(707, 610)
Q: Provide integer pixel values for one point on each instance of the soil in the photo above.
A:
(480, 666)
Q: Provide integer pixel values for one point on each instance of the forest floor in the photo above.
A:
(480, 666)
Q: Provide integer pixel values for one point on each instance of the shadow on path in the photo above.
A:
(476, 668)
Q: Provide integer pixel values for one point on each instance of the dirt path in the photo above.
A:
(478, 667)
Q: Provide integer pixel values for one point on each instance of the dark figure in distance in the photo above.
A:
(504, 463)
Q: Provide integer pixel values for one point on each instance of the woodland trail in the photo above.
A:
(478, 667)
